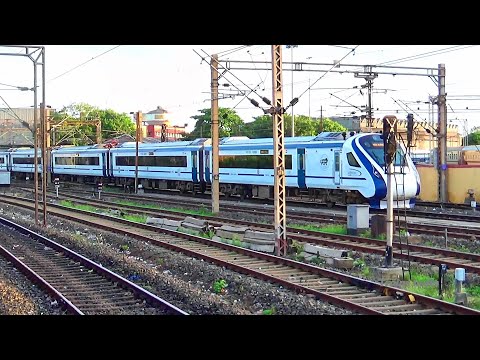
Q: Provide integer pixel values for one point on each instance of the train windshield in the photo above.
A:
(373, 144)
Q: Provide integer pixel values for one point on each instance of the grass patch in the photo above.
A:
(135, 218)
(201, 211)
(237, 242)
(427, 285)
(271, 311)
(331, 229)
(368, 235)
(70, 204)
(219, 286)
(317, 260)
(366, 272)
(113, 189)
(459, 247)
(142, 205)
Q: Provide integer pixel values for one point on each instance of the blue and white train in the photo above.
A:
(328, 166)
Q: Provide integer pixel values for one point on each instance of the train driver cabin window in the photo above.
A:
(352, 161)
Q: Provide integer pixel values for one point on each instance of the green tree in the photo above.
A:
(304, 125)
(260, 127)
(230, 124)
(113, 123)
(474, 138)
(330, 125)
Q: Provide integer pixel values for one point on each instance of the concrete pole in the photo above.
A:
(138, 118)
(35, 141)
(215, 139)
(293, 116)
(321, 118)
(308, 98)
(45, 144)
(442, 125)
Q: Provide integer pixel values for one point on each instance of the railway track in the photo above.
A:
(78, 284)
(414, 228)
(338, 210)
(351, 292)
(417, 253)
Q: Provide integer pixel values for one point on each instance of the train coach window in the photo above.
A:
(25, 161)
(2, 160)
(352, 161)
(251, 161)
(87, 161)
(64, 161)
(161, 161)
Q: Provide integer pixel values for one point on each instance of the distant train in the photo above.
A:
(461, 155)
(329, 167)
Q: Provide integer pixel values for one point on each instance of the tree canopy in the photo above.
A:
(113, 123)
(229, 124)
(474, 138)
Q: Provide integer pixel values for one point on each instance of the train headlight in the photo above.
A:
(376, 173)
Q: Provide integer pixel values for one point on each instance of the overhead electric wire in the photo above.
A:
(256, 104)
(13, 112)
(76, 67)
(427, 54)
(343, 47)
(13, 86)
(295, 100)
(231, 51)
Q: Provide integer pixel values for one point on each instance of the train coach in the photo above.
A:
(332, 169)
(329, 167)
(168, 165)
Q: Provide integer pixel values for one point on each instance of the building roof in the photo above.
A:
(158, 110)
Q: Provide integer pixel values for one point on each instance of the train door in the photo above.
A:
(200, 165)
(301, 168)
(207, 166)
(194, 166)
(104, 167)
(336, 167)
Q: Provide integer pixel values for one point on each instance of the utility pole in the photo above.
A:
(35, 141)
(291, 55)
(48, 129)
(368, 75)
(279, 153)
(215, 140)
(37, 55)
(98, 129)
(308, 98)
(442, 139)
(321, 118)
(390, 149)
(138, 118)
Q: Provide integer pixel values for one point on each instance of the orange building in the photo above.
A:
(156, 122)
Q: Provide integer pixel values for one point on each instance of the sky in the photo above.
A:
(130, 78)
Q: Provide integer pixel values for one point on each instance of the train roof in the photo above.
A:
(70, 148)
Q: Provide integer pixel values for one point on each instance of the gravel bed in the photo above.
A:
(19, 296)
(184, 281)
